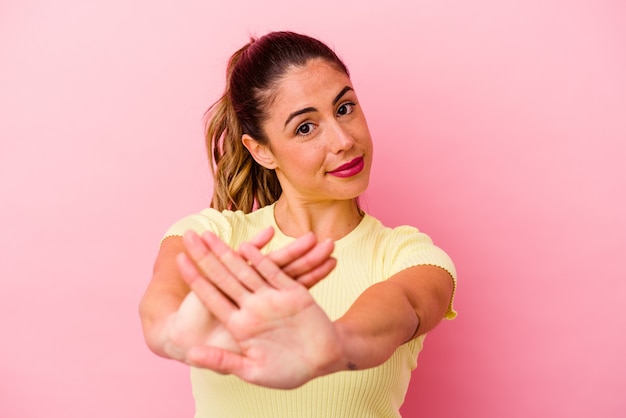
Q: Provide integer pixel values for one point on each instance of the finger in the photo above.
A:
(272, 274)
(310, 260)
(214, 300)
(313, 277)
(262, 238)
(216, 359)
(294, 250)
(236, 265)
(213, 269)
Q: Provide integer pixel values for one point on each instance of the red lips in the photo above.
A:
(349, 169)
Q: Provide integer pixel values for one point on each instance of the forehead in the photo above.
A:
(313, 85)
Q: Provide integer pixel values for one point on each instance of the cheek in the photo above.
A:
(300, 158)
(361, 130)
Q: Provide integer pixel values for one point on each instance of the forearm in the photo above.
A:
(163, 297)
(377, 323)
(390, 313)
(155, 309)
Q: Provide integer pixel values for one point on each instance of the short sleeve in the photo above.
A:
(207, 220)
(408, 247)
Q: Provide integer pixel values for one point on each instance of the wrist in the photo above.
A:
(337, 359)
(349, 342)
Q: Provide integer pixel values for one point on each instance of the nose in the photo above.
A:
(340, 139)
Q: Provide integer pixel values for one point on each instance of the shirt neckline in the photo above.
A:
(350, 236)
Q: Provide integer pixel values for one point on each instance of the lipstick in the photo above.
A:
(349, 169)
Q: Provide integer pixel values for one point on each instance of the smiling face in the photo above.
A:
(318, 140)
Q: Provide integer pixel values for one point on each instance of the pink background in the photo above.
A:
(499, 130)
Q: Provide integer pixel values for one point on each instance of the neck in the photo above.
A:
(327, 219)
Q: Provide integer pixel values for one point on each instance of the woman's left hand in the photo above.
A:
(286, 339)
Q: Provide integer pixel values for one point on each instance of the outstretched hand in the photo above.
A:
(305, 260)
(284, 338)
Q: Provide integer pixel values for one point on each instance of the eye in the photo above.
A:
(345, 108)
(305, 129)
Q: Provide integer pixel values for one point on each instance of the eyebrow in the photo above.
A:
(341, 93)
(312, 109)
(299, 112)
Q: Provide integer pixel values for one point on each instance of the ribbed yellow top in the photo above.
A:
(368, 254)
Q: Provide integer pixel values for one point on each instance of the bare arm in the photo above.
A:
(392, 312)
(164, 295)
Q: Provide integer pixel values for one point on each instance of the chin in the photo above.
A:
(354, 192)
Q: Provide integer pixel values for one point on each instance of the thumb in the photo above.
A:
(216, 359)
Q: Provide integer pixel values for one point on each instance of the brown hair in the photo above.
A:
(251, 76)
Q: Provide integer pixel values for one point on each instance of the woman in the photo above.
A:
(336, 306)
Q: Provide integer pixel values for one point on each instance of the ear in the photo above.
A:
(261, 153)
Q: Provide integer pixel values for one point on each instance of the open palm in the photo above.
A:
(285, 338)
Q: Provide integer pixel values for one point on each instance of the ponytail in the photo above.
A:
(240, 183)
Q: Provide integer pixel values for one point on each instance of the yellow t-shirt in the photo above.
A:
(369, 254)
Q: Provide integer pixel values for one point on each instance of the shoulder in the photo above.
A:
(406, 246)
(208, 219)
(223, 223)
(395, 237)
